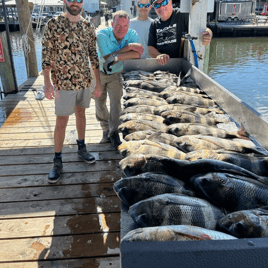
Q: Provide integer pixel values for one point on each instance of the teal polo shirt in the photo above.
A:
(107, 44)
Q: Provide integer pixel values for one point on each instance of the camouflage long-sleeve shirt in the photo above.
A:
(66, 49)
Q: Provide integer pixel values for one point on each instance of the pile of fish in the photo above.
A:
(188, 172)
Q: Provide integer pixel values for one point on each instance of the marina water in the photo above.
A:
(238, 64)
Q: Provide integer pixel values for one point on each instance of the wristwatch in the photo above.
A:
(115, 56)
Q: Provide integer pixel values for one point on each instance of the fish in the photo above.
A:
(132, 83)
(189, 143)
(174, 233)
(231, 192)
(141, 116)
(168, 92)
(159, 136)
(149, 147)
(155, 86)
(145, 101)
(147, 109)
(129, 96)
(251, 223)
(186, 169)
(173, 117)
(190, 100)
(139, 163)
(253, 163)
(139, 135)
(175, 209)
(134, 189)
(138, 125)
(181, 129)
(181, 107)
(139, 90)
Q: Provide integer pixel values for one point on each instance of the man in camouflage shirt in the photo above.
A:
(69, 42)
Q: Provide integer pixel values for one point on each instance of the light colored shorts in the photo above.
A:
(67, 100)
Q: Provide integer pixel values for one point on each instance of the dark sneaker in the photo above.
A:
(105, 138)
(54, 174)
(85, 155)
(115, 140)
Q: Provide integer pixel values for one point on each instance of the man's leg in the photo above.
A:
(102, 114)
(83, 101)
(115, 92)
(59, 135)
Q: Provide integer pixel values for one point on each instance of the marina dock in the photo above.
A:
(74, 223)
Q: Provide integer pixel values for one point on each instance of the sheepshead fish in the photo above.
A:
(190, 100)
(145, 101)
(173, 117)
(174, 233)
(139, 135)
(149, 147)
(189, 143)
(187, 169)
(182, 129)
(129, 96)
(139, 90)
(167, 93)
(138, 125)
(140, 163)
(139, 109)
(154, 86)
(166, 138)
(141, 116)
(251, 223)
(255, 164)
(175, 209)
(181, 107)
(231, 192)
(133, 83)
(134, 189)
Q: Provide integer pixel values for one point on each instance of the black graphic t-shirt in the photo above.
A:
(165, 36)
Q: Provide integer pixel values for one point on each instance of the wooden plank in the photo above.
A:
(61, 247)
(45, 142)
(67, 167)
(57, 192)
(104, 262)
(48, 158)
(61, 225)
(64, 207)
(65, 179)
(50, 150)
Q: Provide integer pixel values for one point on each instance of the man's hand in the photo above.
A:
(98, 90)
(163, 59)
(49, 92)
(108, 63)
(206, 38)
(136, 47)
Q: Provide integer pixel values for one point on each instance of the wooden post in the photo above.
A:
(8, 81)
(27, 29)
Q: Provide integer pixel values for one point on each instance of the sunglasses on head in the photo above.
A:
(163, 3)
(143, 5)
(78, 1)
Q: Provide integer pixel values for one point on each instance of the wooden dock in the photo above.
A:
(74, 223)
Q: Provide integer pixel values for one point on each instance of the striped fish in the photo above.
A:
(175, 209)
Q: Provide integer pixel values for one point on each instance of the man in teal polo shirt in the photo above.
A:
(115, 44)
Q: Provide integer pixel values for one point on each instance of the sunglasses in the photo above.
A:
(78, 1)
(163, 3)
(143, 5)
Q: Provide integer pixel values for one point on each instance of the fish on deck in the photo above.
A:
(174, 233)
(190, 100)
(145, 101)
(141, 116)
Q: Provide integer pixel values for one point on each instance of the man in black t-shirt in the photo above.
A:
(166, 31)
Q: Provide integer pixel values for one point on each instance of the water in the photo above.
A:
(238, 64)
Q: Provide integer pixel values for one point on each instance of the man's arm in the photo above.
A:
(49, 89)
(207, 36)
(161, 58)
(98, 89)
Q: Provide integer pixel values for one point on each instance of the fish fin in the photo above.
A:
(242, 133)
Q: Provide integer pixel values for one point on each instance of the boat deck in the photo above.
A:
(74, 223)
